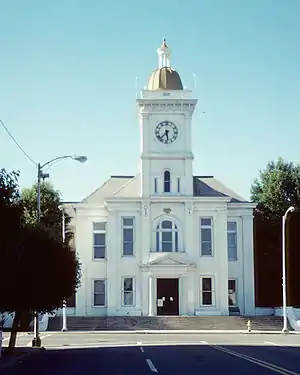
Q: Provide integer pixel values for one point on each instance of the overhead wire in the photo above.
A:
(16, 143)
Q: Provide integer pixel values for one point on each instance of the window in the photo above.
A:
(128, 291)
(206, 236)
(232, 240)
(128, 235)
(99, 293)
(155, 185)
(232, 292)
(178, 184)
(167, 182)
(207, 296)
(99, 234)
(167, 237)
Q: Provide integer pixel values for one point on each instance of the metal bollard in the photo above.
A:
(249, 326)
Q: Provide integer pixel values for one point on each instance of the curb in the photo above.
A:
(18, 360)
(174, 332)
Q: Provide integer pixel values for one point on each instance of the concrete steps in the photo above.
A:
(77, 323)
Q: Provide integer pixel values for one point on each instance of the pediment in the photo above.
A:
(168, 260)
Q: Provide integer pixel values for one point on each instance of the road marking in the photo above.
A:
(142, 349)
(151, 365)
(204, 342)
(271, 343)
(257, 361)
(18, 336)
(42, 337)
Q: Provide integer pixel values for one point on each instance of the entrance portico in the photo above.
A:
(169, 281)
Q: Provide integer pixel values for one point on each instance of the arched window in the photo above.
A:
(167, 237)
(167, 182)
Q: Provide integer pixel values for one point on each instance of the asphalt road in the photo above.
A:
(162, 354)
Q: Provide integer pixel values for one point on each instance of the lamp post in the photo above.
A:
(64, 312)
(284, 289)
(36, 341)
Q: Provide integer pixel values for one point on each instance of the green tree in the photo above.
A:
(39, 270)
(51, 214)
(276, 189)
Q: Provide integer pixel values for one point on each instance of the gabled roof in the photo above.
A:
(129, 187)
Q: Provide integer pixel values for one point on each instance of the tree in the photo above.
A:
(39, 270)
(51, 215)
(275, 190)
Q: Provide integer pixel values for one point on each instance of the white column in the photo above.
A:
(248, 258)
(222, 261)
(113, 275)
(150, 296)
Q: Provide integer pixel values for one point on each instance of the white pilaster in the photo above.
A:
(113, 281)
(248, 258)
(150, 295)
(221, 255)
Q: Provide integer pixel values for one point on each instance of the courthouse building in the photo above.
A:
(165, 241)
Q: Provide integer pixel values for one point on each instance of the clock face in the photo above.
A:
(166, 132)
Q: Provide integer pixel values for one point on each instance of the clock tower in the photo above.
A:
(165, 116)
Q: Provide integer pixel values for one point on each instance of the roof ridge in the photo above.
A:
(104, 183)
(123, 186)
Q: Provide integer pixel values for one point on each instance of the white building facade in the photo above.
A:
(165, 242)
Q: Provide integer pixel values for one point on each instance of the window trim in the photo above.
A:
(122, 235)
(211, 226)
(213, 290)
(105, 247)
(93, 293)
(175, 229)
(236, 240)
(170, 182)
(134, 291)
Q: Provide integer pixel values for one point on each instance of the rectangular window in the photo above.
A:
(99, 293)
(178, 184)
(232, 292)
(99, 240)
(155, 185)
(207, 293)
(232, 240)
(206, 236)
(128, 291)
(128, 235)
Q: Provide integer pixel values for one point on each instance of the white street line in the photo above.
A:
(42, 337)
(18, 336)
(204, 342)
(271, 343)
(142, 349)
(151, 365)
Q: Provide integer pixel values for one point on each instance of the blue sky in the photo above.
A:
(68, 72)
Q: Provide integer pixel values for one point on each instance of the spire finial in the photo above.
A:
(164, 55)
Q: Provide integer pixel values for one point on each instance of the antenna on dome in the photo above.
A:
(195, 81)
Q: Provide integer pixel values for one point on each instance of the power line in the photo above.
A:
(15, 141)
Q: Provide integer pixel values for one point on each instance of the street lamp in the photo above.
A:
(64, 312)
(284, 291)
(36, 341)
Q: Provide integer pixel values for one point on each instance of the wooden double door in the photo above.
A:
(167, 301)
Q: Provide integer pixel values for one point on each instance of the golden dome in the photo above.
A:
(165, 78)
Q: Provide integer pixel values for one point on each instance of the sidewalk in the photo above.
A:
(173, 331)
